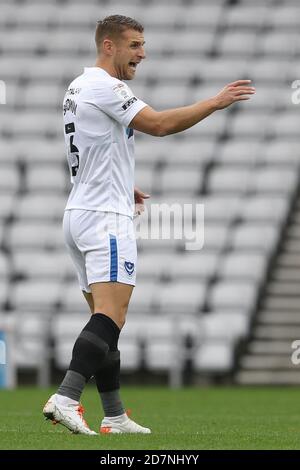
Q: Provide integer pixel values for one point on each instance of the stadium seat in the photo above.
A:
(270, 98)
(164, 345)
(39, 206)
(180, 179)
(201, 16)
(29, 235)
(240, 152)
(286, 125)
(214, 356)
(144, 297)
(193, 266)
(238, 43)
(7, 205)
(4, 266)
(220, 71)
(179, 70)
(160, 15)
(174, 151)
(232, 294)
(26, 42)
(130, 355)
(246, 16)
(224, 325)
(265, 209)
(281, 151)
(33, 14)
(44, 266)
(162, 354)
(8, 151)
(220, 209)
(145, 177)
(255, 125)
(153, 265)
(168, 96)
(254, 236)
(269, 70)
(42, 96)
(72, 299)
(65, 42)
(276, 181)
(32, 124)
(46, 177)
(243, 265)
(190, 153)
(31, 343)
(9, 178)
(215, 126)
(31, 338)
(37, 150)
(230, 180)
(65, 329)
(279, 43)
(53, 68)
(35, 295)
(4, 292)
(182, 296)
(285, 17)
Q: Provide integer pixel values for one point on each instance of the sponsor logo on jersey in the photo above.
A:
(129, 103)
(129, 267)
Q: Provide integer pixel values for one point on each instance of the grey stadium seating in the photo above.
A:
(241, 163)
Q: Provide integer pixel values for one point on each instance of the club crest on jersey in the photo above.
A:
(129, 267)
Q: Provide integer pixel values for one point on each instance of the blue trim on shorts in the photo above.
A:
(113, 258)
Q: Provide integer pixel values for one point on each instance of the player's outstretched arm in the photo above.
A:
(171, 121)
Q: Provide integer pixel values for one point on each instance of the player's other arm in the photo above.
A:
(171, 121)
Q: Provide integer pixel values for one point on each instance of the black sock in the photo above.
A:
(93, 344)
(108, 382)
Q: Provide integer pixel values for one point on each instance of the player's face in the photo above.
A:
(129, 53)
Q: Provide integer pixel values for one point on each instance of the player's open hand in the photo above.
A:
(139, 198)
(235, 91)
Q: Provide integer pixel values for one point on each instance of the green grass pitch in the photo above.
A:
(192, 418)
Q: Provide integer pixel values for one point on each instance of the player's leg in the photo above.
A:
(112, 299)
(89, 298)
(64, 406)
(107, 379)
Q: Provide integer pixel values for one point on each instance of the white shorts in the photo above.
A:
(102, 246)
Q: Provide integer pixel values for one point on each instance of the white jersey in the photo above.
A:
(100, 147)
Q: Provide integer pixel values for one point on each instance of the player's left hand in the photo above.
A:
(139, 198)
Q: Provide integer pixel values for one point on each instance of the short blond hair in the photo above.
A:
(113, 26)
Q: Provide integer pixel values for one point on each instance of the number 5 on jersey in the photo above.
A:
(73, 152)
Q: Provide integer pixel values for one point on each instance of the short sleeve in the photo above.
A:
(118, 101)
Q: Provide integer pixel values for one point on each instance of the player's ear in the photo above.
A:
(108, 46)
